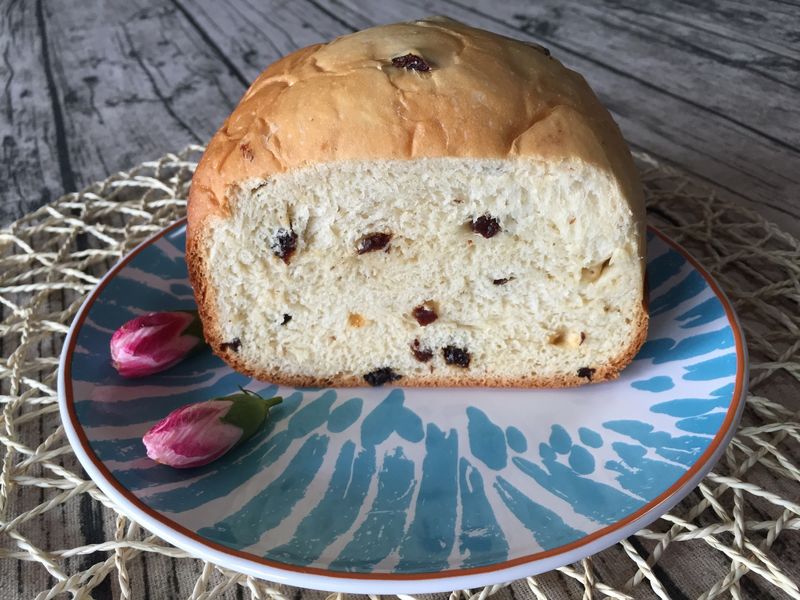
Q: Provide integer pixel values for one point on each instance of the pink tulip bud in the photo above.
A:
(196, 434)
(155, 342)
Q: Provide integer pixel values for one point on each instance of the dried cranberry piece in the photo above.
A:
(586, 372)
(234, 345)
(372, 242)
(380, 376)
(486, 225)
(284, 244)
(424, 315)
(420, 353)
(412, 62)
(247, 152)
(453, 355)
(286, 318)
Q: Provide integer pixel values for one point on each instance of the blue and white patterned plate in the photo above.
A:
(394, 490)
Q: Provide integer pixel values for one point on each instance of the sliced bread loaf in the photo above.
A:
(423, 203)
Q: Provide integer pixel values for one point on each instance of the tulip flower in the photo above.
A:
(154, 342)
(196, 434)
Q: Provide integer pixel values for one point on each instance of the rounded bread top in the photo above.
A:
(362, 97)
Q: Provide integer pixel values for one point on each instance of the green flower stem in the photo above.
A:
(249, 411)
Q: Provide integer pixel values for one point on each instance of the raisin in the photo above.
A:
(234, 345)
(453, 355)
(586, 372)
(412, 62)
(284, 244)
(286, 318)
(486, 225)
(420, 353)
(502, 281)
(583, 338)
(380, 376)
(424, 314)
(247, 152)
(372, 242)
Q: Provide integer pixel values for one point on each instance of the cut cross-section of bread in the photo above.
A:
(420, 204)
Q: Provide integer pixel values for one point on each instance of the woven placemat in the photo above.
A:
(736, 535)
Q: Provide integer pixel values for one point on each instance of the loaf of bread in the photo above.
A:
(424, 204)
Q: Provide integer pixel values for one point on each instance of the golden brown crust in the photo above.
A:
(486, 96)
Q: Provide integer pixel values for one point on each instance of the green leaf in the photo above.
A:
(248, 412)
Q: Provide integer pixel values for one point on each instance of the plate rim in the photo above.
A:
(390, 583)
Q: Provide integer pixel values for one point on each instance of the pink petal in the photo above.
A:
(192, 435)
(151, 343)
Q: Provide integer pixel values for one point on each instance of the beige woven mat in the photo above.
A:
(735, 536)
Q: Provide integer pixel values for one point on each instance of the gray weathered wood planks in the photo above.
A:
(29, 172)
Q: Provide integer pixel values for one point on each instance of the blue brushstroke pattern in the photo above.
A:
(431, 535)
(548, 529)
(715, 368)
(486, 440)
(175, 238)
(148, 409)
(706, 312)
(581, 460)
(692, 407)
(590, 438)
(119, 450)
(683, 449)
(274, 503)
(516, 439)
(664, 350)
(345, 415)
(708, 424)
(335, 513)
(560, 440)
(598, 501)
(660, 383)
(180, 289)
(110, 314)
(197, 369)
(643, 476)
(688, 288)
(663, 267)
(481, 538)
(388, 417)
(383, 529)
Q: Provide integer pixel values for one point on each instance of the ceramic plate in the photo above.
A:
(393, 490)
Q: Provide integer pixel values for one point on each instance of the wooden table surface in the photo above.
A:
(93, 87)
